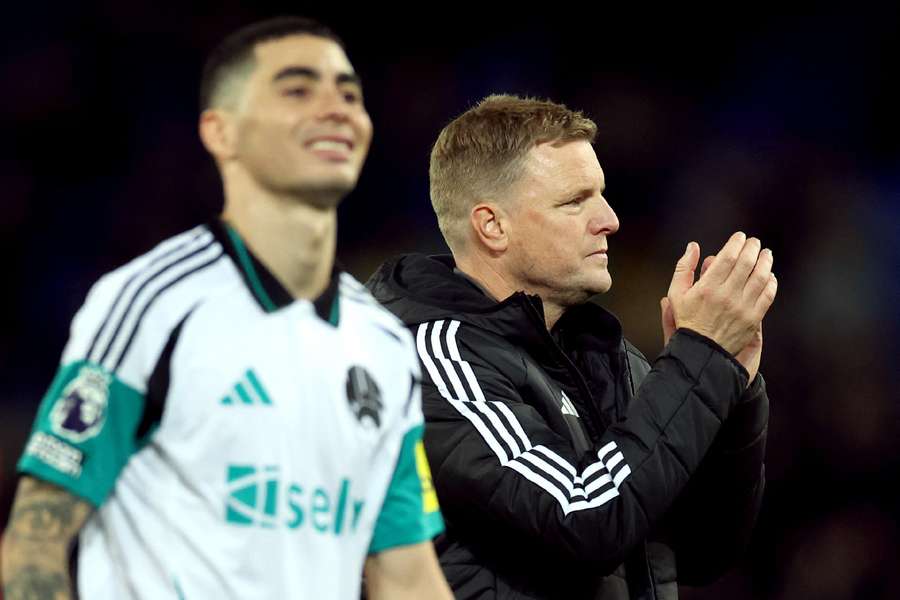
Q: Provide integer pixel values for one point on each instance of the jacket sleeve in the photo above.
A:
(713, 519)
(495, 460)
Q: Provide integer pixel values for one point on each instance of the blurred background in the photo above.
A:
(782, 125)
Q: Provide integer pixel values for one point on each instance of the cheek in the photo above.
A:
(364, 129)
(560, 232)
(267, 148)
(261, 133)
(550, 242)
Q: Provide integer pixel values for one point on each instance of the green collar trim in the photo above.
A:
(249, 270)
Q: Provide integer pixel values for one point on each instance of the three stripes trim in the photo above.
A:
(593, 486)
(167, 266)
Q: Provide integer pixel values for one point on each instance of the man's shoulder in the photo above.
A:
(140, 302)
(363, 305)
(181, 250)
(458, 345)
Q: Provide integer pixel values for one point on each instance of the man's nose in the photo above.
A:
(333, 106)
(604, 221)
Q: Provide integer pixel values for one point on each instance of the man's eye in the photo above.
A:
(352, 97)
(297, 92)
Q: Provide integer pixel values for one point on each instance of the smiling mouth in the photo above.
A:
(330, 144)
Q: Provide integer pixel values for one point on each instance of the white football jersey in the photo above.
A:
(237, 443)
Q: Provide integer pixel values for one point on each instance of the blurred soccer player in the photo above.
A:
(233, 417)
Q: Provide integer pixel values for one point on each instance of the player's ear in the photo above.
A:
(490, 225)
(217, 131)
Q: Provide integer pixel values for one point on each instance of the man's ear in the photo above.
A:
(491, 226)
(217, 132)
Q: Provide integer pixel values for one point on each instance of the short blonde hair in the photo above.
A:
(482, 152)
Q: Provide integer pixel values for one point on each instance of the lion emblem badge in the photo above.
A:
(80, 412)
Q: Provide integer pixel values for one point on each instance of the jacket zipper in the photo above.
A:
(594, 416)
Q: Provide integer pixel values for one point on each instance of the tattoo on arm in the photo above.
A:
(45, 520)
(35, 583)
(42, 518)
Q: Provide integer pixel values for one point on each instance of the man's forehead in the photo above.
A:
(575, 159)
(304, 50)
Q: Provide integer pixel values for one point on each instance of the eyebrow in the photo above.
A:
(309, 73)
(584, 191)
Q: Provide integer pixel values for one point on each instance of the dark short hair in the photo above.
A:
(236, 50)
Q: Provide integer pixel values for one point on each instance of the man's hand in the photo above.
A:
(727, 303)
(751, 355)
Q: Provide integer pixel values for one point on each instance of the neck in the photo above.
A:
(552, 313)
(500, 285)
(294, 239)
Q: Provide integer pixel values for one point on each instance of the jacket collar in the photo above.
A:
(419, 288)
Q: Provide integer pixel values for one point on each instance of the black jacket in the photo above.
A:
(556, 479)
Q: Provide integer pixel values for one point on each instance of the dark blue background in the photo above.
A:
(783, 125)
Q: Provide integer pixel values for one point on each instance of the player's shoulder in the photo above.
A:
(166, 257)
(150, 294)
(365, 307)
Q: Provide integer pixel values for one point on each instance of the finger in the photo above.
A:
(726, 258)
(759, 278)
(766, 298)
(683, 277)
(706, 263)
(744, 265)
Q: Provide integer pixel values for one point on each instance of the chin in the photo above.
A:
(343, 178)
(601, 285)
(328, 191)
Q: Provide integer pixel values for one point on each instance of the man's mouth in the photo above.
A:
(331, 148)
(330, 143)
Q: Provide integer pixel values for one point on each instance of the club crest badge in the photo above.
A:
(80, 412)
(364, 397)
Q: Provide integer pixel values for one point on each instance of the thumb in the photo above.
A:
(683, 277)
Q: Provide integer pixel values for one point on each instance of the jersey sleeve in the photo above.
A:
(84, 431)
(410, 513)
(85, 428)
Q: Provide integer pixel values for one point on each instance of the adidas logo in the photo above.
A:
(258, 497)
(567, 407)
(249, 390)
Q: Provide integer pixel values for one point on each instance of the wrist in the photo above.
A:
(714, 344)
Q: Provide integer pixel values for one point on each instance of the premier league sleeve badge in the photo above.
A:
(80, 411)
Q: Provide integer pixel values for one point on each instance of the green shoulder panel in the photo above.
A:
(410, 513)
(84, 432)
